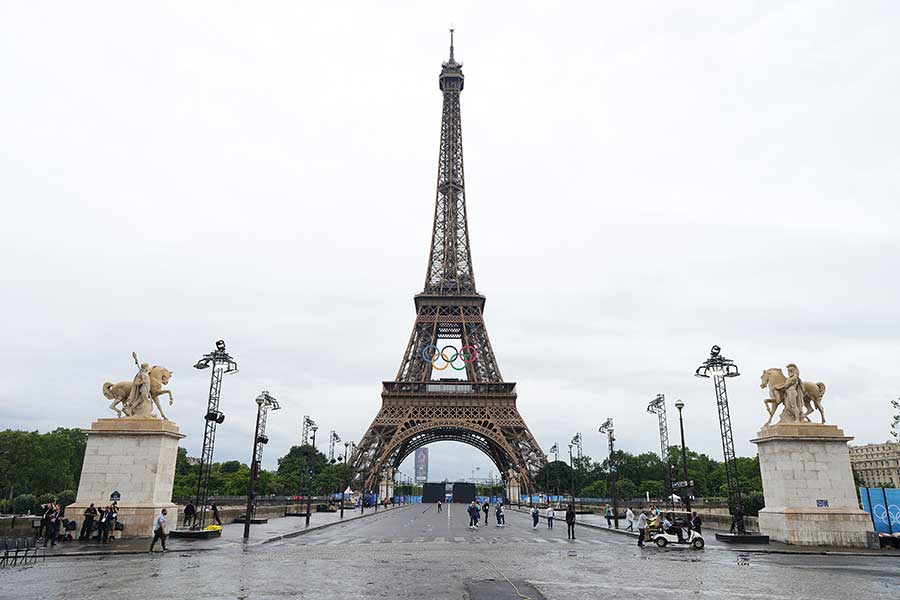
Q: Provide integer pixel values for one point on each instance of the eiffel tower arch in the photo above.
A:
(420, 406)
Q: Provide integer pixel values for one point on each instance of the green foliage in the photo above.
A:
(35, 463)
(25, 504)
(4, 506)
(626, 489)
(555, 477)
(65, 498)
(753, 503)
(596, 489)
(46, 498)
(656, 489)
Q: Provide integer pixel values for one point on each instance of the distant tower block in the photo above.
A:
(421, 465)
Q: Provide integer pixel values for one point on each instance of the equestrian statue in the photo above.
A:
(138, 396)
(797, 397)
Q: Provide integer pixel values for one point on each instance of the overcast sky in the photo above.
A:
(643, 181)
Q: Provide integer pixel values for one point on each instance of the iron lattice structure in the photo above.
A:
(719, 367)
(222, 364)
(479, 410)
(304, 431)
(657, 407)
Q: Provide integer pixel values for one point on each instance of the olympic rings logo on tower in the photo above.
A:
(467, 354)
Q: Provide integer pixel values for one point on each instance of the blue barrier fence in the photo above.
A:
(883, 506)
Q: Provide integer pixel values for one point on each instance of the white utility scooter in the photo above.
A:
(691, 538)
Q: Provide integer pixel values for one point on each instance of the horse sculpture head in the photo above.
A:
(768, 375)
(163, 373)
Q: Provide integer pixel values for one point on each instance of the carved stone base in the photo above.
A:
(808, 486)
(134, 456)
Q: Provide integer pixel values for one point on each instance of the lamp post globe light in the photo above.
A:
(719, 368)
(688, 488)
(607, 428)
(264, 403)
(222, 364)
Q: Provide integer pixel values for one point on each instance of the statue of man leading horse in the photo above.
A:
(136, 396)
(796, 396)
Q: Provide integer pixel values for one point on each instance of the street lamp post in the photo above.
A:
(572, 483)
(687, 496)
(719, 367)
(607, 428)
(314, 429)
(264, 403)
(222, 364)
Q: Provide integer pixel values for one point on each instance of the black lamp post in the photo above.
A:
(264, 403)
(607, 428)
(687, 496)
(572, 468)
(718, 367)
(222, 364)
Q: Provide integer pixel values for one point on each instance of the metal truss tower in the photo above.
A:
(718, 367)
(449, 331)
(305, 429)
(657, 407)
(222, 364)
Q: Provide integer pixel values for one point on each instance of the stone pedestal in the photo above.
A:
(808, 486)
(134, 456)
(513, 492)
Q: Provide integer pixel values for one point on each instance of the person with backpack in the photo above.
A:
(473, 515)
(608, 514)
(501, 518)
(550, 515)
(486, 508)
(570, 522)
(535, 516)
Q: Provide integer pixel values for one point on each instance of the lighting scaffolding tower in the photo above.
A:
(719, 368)
(607, 428)
(332, 439)
(264, 403)
(657, 406)
(579, 449)
(222, 364)
(304, 432)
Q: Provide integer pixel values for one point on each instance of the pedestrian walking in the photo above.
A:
(570, 522)
(642, 527)
(697, 523)
(90, 513)
(215, 511)
(535, 516)
(52, 530)
(486, 509)
(608, 514)
(629, 519)
(501, 518)
(473, 515)
(159, 530)
(440, 506)
(550, 515)
(190, 512)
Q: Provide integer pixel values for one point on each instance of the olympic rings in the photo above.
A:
(467, 353)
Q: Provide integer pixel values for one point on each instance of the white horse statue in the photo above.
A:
(120, 393)
(812, 394)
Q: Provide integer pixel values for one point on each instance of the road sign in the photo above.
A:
(682, 484)
(115, 497)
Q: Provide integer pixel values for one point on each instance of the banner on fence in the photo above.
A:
(883, 506)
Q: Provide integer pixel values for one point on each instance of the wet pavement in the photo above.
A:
(415, 552)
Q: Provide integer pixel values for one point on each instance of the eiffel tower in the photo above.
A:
(449, 331)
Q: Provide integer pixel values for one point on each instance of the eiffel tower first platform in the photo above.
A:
(421, 405)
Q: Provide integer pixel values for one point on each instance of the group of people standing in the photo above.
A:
(51, 518)
(190, 515)
(551, 516)
(474, 511)
(105, 519)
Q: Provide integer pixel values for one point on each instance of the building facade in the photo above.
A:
(876, 465)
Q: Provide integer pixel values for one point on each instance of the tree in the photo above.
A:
(596, 489)
(555, 477)
(656, 489)
(625, 489)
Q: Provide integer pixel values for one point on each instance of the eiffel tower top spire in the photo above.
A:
(450, 258)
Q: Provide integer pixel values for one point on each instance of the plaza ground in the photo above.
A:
(416, 552)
